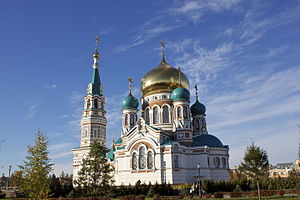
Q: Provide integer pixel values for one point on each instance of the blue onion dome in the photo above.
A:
(130, 102)
(198, 108)
(206, 140)
(180, 94)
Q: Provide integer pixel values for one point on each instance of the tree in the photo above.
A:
(94, 177)
(16, 178)
(36, 169)
(255, 164)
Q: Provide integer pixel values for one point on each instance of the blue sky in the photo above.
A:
(244, 56)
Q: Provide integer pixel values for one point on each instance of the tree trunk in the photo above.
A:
(258, 189)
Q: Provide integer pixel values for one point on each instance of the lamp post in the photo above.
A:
(198, 167)
(8, 180)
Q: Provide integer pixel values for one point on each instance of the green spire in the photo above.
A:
(95, 87)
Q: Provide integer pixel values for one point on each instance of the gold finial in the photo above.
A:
(179, 76)
(130, 84)
(162, 43)
(96, 55)
(196, 92)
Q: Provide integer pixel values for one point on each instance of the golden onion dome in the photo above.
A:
(163, 78)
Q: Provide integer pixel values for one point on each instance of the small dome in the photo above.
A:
(206, 140)
(180, 94)
(198, 108)
(130, 102)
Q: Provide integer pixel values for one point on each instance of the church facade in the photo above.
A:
(165, 141)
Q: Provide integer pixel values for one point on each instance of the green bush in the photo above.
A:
(2, 195)
(218, 195)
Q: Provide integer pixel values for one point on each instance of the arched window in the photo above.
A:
(147, 116)
(142, 161)
(85, 133)
(208, 161)
(197, 124)
(203, 125)
(179, 112)
(131, 120)
(166, 114)
(185, 112)
(224, 162)
(95, 103)
(134, 161)
(88, 104)
(150, 160)
(155, 115)
(126, 120)
(217, 162)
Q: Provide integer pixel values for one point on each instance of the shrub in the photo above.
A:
(127, 197)
(218, 195)
(2, 195)
(140, 197)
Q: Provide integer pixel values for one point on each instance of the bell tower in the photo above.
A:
(93, 121)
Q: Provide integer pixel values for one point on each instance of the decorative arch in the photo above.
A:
(179, 112)
(155, 118)
(185, 112)
(126, 120)
(217, 162)
(142, 157)
(88, 104)
(224, 162)
(147, 115)
(166, 113)
(134, 160)
(131, 120)
(150, 159)
(96, 103)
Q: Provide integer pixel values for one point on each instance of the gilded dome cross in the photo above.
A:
(162, 43)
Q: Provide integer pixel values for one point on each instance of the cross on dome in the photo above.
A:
(162, 43)
(196, 92)
(179, 76)
(130, 80)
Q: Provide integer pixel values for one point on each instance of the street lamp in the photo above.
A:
(198, 167)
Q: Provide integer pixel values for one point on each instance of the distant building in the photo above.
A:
(282, 169)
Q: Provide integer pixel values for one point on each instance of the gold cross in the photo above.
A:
(97, 41)
(179, 76)
(162, 43)
(130, 84)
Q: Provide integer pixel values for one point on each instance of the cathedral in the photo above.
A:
(164, 139)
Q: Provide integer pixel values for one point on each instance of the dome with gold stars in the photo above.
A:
(163, 78)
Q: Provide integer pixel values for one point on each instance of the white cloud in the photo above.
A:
(76, 97)
(196, 9)
(51, 86)
(146, 33)
(32, 108)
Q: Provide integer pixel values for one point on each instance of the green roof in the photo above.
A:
(111, 154)
(119, 141)
(96, 83)
(180, 94)
(130, 102)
